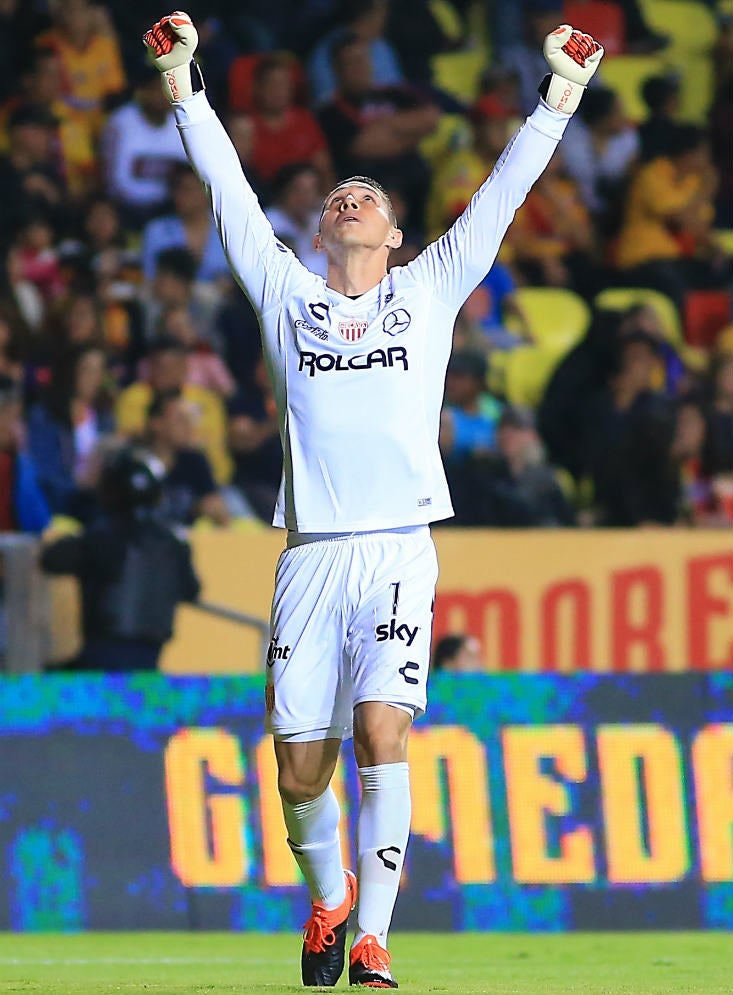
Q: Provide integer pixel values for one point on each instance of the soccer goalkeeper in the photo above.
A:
(357, 363)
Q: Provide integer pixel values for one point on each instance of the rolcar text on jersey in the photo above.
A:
(324, 362)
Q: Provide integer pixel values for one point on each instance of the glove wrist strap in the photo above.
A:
(561, 94)
(181, 82)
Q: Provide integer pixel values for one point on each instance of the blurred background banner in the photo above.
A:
(538, 601)
(539, 803)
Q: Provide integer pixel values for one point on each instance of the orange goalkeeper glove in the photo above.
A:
(573, 58)
(171, 43)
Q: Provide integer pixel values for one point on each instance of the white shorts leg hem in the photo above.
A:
(414, 707)
(312, 735)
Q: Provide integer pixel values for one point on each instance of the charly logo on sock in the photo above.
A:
(389, 864)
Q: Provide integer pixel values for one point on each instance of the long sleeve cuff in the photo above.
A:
(547, 120)
(194, 110)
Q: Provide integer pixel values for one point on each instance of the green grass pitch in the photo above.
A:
(462, 963)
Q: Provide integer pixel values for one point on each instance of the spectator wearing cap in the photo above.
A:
(463, 171)
(23, 507)
(457, 654)
(140, 147)
(470, 414)
(513, 486)
(661, 94)
(168, 370)
(295, 213)
(31, 181)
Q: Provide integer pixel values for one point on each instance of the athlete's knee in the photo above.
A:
(296, 787)
(380, 734)
(305, 769)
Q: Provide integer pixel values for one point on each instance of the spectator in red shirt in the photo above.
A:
(283, 132)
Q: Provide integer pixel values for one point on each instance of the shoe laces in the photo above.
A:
(318, 932)
(374, 957)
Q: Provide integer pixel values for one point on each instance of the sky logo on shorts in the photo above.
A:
(353, 329)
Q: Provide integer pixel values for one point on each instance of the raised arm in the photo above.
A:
(266, 270)
(457, 262)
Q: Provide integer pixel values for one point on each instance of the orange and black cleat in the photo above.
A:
(324, 939)
(369, 965)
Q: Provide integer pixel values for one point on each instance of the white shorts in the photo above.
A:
(351, 622)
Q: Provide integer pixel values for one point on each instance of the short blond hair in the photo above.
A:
(366, 181)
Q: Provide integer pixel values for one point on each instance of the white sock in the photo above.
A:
(314, 839)
(382, 831)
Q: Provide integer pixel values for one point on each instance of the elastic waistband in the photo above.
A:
(304, 538)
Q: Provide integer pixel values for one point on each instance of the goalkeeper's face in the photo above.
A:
(357, 215)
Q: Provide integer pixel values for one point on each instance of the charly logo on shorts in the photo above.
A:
(353, 329)
(396, 321)
(391, 865)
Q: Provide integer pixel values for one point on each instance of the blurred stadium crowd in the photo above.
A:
(592, 376)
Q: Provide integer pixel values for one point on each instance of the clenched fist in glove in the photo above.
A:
(573, 58)
(171, 43)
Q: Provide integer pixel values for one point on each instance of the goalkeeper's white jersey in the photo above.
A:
(359, 383)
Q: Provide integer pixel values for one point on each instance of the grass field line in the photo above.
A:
(157, 963)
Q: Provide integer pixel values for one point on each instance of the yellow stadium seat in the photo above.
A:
(62, 525)
(697, 88)
(724, 342)
(458, 73)
(625, 74)
(689, 25)
(621, 298)
(725, 238)
(557, 317)
(496, 374)
(447, 17)
(526, 374)
(452, 132)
